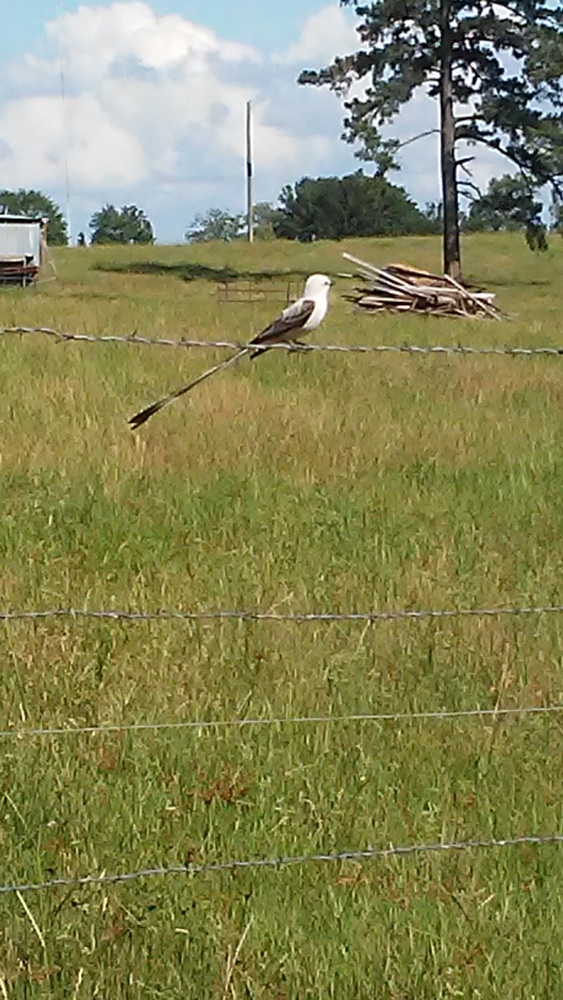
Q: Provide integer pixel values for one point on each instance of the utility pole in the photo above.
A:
(249, 201)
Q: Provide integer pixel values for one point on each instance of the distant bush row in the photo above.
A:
(313, 208)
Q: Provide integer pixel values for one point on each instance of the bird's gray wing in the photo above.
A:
(291, 319)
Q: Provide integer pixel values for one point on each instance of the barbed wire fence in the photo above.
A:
(134, 338)
(189, 869)
(494, 714)
(367, 854)
(291, 720)
(299, 617)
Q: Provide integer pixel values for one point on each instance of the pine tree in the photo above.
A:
(494, 68)
(508, 204)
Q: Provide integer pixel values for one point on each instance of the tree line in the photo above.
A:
(314, 208)
(495, 71)
(109, 225)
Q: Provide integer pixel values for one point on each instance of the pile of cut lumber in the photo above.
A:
(401, 288)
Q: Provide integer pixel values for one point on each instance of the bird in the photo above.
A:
(302, 316)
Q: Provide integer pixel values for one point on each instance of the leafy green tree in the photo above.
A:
(508, 204)
(265, 216)
(495, 69)
(434, 214)
(216, 224)
(333, 207)
(35, 204)
(126, 225)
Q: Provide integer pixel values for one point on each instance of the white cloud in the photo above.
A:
(154, 113)
(328, 33)
(34, 130)
(153, 104)
(95, 39)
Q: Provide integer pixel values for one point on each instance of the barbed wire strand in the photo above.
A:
(274, 616)
(282, 720)
(134, 338)
(370, 853)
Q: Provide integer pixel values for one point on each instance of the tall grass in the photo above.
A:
(315, 482)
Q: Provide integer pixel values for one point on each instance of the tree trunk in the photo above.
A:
(452, 255)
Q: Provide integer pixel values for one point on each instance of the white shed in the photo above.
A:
(22, 248)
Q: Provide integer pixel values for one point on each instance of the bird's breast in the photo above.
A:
(317, 316)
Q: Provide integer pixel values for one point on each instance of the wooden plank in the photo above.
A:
(482, 305)
(400, 287)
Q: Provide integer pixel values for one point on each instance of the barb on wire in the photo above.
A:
(368, 854)
(128, 727)
(134, 338)
(274, 616)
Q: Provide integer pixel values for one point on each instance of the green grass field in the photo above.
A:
(315, 482)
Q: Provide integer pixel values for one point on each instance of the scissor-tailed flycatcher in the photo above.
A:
(300, 317)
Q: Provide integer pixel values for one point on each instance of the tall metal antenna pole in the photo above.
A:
(65, 119)
(249, 201)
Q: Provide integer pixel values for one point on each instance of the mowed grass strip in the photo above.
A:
(294, 483)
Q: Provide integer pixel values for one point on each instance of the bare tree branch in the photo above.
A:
(421, 135)
(471, 186)
(469, 118)
(461, 163)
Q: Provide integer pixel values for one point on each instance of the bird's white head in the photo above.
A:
(316, 284)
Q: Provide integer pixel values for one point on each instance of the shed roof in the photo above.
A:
(6, 218)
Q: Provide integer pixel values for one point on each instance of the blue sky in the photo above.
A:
(155, 92)
(241, 20)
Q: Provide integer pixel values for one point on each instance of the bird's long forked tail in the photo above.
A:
(143, 415)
